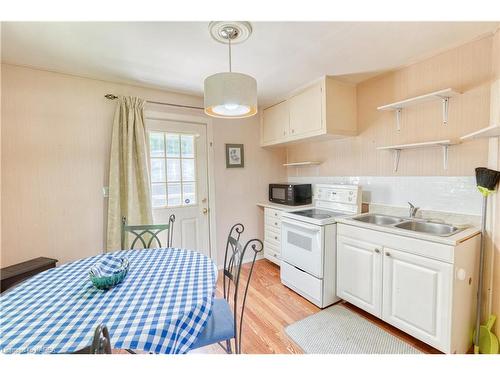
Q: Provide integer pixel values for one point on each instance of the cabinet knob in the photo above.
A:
(377, 251)
(275, 223)
(387, 254)
(293, 130)
(276, 238)
(275, 214)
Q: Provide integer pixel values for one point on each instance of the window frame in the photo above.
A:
(181, 181)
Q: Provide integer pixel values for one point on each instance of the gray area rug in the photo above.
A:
(338, 330)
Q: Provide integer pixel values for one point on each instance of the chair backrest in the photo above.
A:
(101, 343)
(147, 235)
(233, 260)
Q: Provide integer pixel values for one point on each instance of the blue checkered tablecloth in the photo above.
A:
(161, 306)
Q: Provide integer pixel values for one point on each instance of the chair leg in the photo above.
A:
(228, 346)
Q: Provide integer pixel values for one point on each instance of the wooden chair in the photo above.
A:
(146, 234)
(223, 324)
(101, 344)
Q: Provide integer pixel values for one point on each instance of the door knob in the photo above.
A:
(205, 211)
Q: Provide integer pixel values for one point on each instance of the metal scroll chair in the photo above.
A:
(146, 235)
(101, 343)
(223, 324)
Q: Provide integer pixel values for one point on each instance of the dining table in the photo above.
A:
(161, 306)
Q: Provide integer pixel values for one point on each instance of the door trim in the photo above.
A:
(202, 120)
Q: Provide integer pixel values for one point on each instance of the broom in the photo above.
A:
(486, 180)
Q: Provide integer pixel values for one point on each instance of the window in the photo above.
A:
(173, 171)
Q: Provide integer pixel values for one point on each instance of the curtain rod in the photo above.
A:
(113, 97)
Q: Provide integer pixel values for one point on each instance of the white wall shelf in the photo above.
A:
(443, 95)
(302, 164)
(489, 132)
(444, 144)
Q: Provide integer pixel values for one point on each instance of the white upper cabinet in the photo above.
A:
(277, 120)
(306, 113)
(326, 109)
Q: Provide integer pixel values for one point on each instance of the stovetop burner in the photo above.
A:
(314, 213)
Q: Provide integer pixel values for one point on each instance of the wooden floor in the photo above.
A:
(271, 307)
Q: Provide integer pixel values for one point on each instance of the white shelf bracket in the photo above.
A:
(398, 118)
(446, 103)
(445, 157)
(397, 154)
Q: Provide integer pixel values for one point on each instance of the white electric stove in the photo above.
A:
(308, 242)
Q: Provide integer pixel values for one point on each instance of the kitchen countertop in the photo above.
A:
(453, 240)
(282, 207)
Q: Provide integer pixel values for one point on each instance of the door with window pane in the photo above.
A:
(178, 162)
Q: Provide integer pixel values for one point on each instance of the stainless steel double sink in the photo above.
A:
(411, 224)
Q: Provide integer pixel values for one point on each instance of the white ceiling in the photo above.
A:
(179, 55)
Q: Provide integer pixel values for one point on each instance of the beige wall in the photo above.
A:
(238, 189)
(56, 132)
(467, 68)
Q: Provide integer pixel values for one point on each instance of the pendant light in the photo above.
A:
(229, 94)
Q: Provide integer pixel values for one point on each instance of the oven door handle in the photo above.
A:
(300, 224)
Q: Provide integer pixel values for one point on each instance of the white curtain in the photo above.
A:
(129, 180)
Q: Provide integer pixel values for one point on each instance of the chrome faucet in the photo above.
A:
(413, 210)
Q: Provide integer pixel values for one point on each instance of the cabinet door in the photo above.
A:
(417, 296)
(275, 122)
(359, 274)
(306, 111)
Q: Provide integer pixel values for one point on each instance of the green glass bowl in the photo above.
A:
(108, 281)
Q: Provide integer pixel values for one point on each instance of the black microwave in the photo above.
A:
(290, 194)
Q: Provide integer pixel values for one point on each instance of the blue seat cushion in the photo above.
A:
(220, 325)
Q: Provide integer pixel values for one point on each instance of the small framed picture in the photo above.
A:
(235, 157)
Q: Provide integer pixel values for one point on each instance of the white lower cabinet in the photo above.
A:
(424, 288)
(272, 234)
(358, 274)
(417, 295)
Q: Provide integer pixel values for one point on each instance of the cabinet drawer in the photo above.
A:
(272, 252)
(274, 243)
(273, 236)
(270, 227)
(272, 223)
(414, 246)
(300, 281)
(272, 257)
(272, 213)
(272, 246)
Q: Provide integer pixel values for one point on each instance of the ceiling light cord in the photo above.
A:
(230, 62)
(229, 38)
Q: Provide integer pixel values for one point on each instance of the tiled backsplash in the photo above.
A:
(437, 193)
